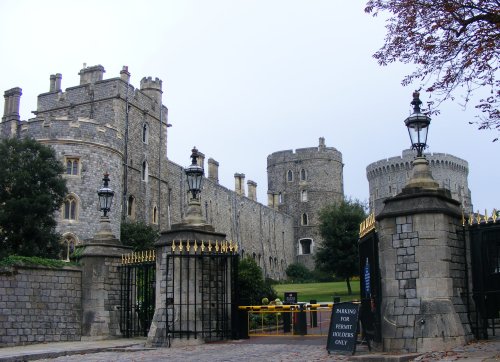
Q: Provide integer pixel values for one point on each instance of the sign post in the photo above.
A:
(290, 298)
(343, 328)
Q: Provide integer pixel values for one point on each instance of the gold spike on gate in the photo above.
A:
(195, 246)
(202, 246)
(188, 247)
(209, 246)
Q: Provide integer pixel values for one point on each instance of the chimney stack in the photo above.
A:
(11, 105)
(124, 74)
(58, 82)
(252, 190)
(270, 199)
(239, 181)
(91, 74)
(213, 170)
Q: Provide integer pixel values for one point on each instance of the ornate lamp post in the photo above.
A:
(418, 129)
(194, 175)
(105, 195)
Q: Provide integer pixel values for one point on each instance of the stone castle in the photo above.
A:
(107, 125)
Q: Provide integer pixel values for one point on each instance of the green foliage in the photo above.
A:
(339, 227)
(31, 190)
(138, 235)
(16, 260)
(298, 273)
(252, 287)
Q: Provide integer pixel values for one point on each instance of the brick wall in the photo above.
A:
(39, 305)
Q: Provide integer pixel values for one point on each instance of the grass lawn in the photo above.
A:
(321, 292)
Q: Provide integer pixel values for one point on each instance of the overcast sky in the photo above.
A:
(244, 79)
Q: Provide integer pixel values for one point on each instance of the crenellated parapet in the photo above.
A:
(387, 177)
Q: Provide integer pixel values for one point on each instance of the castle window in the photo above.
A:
(72, 166)
(305, 246)
(145, 133)
(70, 208)
(303, 175)
(305, 219)
(280, 198)
(144, 172)
(289, 176)
(155, 215)
(69, 242)
(303, 195)
(131, 207)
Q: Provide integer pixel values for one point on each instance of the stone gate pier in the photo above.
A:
(422, 255)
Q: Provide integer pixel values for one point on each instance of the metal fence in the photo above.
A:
(137, 293)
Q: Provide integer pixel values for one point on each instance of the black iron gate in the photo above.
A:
(370, 288)
(485, 261)
(137, 293)
(201, 294)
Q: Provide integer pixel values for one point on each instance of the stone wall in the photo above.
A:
(261, 232)
(39, 305)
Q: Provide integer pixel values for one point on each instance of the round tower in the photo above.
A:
(300, 184)
(152, 88)
(386, 178)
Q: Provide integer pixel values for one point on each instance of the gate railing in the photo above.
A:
(137, 293)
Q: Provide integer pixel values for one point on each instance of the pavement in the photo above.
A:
(260, 349)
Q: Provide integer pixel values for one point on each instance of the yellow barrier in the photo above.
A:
(301, 320)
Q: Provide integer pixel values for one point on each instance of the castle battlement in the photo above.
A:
(394, 164)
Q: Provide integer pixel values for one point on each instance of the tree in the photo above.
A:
(454, 44)
(138, 235)
(31, 190)
(252, 287)
(339, 228)
(298, 273)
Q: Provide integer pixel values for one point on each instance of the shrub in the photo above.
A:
(298, 273)
(252, 287)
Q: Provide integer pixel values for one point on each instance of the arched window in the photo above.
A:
(303, 175)
(305, 246)
(145, 133)
(305, 219)
(131, 207)
(289, 176)
(280, 198)
(155, 215)
(144, 172)
(69, 241)
(72, 166)
(70, 208)
(303, 195)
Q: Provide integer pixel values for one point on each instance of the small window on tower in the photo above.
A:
(145, 133)
(289, 176)
(72, 166)
(303, 175)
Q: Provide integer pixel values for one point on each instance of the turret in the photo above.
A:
(152, 88)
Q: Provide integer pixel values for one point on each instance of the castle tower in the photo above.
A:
(301, 184)
(387, 178)
(91, 127)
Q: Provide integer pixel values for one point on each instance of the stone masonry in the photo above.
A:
(39, 305)
(300, 184)
(423, 271)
